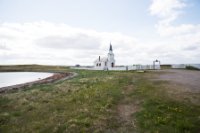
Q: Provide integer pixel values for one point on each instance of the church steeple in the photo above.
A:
(111, 59)
(110, 49)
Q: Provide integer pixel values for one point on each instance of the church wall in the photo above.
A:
(101, 66)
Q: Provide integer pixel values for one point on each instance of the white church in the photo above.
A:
(108, 63)
(105, 63)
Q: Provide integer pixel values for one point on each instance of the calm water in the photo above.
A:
(13, 78)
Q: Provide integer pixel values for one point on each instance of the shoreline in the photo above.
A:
(56, 77)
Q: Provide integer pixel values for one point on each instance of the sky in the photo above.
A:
(66, 32)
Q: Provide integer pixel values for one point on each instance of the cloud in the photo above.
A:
(54, 43)
(60, 44)
(191, 48)
(184, 37)
(79, 41)
(167, 10)
(3, 45)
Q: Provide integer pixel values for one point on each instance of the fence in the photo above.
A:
(122, 68)
(139, 67)
(183, 66)
(179, 66)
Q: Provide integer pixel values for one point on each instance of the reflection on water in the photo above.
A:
(13, 78)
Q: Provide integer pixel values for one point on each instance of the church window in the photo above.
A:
(99, 64)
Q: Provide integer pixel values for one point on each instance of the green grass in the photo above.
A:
(37, 68)
(88, 103)
(81, 104)
(161, 114)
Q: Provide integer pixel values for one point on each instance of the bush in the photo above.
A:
(192, 68)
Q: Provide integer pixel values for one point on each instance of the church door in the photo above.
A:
(112, 64)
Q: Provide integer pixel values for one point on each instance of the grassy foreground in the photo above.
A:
(97, 101)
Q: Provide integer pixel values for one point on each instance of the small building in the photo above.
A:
(105, 63)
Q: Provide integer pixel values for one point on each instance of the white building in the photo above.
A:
(105, 63)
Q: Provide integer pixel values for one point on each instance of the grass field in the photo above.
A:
(96, 101)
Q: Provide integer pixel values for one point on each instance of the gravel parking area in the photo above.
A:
(187, 78)
(182, 85)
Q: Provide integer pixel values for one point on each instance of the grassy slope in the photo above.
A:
(88, 103)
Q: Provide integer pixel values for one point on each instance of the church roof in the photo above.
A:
(103, 59)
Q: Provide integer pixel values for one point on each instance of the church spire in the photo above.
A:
(110, 47)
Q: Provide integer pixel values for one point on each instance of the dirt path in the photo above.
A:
(126, 108)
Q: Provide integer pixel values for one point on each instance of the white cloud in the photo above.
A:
(167, 10)
(3, 46)
(185, 37)
(51, 43)
(60, 44)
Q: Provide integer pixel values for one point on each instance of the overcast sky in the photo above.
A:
(69, 32)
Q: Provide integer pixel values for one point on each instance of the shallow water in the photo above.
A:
(13, 78)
